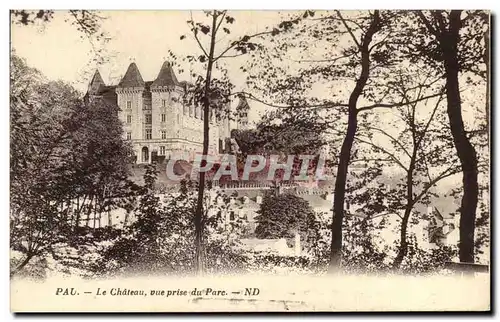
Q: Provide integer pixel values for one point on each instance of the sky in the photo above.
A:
(59, 51)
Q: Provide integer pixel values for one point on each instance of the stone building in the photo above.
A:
(156, 118)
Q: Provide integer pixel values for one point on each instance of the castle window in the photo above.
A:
(162, 150)
(190, 110)
(164, 103)
(129, 135)
(184, 109)
(148, 134)
(163, 117)
(129, 119)
(178, 119)
(163, 134)
(129, 104)
(149, 119)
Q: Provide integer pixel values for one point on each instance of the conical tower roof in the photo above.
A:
(96, 82)
(166, 76)
(132, 77)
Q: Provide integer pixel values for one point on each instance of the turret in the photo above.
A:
(130, 100)
(166, 77)
(166, 103)
(96, 83)
(132, 78)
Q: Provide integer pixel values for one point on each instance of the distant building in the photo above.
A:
(155, 117)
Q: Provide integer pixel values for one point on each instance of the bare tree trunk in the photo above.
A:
(465, 150)
(345, 152)
(198, 219)
(339, 194)
(403, 246)
(77, 214)
(96, 202)
(89, 211)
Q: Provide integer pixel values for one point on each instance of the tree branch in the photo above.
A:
(221, 20)
(384, 105)
(447, 173)
(331, 60)
(430, 119)
(427, 23)
(348, 29)
(379, 43)
(324, 105)
(195, 33)
(237, 42)
(391, 155)
(392, 138)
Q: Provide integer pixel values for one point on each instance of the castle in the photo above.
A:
(156, 118)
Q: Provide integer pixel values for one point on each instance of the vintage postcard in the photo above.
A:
(255, 161)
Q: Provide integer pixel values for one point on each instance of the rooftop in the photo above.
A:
(166, 76)
(132, 77)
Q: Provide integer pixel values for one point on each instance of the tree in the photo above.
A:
(419, 150)
(284, 215)
(35, 132)
(365, 60)
(63, 154)
(455, 47)
(283, 132)
(212, 93)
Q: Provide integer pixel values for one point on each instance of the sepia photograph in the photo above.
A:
(250, 161)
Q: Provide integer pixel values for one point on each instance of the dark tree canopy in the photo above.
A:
(284, 215)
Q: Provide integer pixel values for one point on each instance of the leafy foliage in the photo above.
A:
(284, 215)
(68, 162)
(160, 240)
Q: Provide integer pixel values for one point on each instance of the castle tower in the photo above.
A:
(96, 83)
(137, 127)
(166, 103)
(95, 87)
(242, 113)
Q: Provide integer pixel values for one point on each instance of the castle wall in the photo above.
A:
(135, 97)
